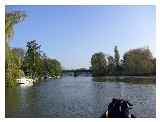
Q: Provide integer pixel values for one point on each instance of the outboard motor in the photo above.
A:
(118, 108)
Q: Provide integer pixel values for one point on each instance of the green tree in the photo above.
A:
(11, 19)
(12, 68)
(20, 52)
(99, 64)
(116, 56)
(12, 61)
(138, 62)
(111, 66)
(154, 66)
(45, 65)
(54, 67)
(33, 63)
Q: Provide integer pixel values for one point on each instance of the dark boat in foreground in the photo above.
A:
(118, 108)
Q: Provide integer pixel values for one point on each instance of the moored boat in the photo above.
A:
(25, 81)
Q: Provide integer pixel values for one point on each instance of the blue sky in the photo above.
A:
(72, 34)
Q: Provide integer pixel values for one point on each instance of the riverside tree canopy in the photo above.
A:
(36, 65)
(139, 62)
(135, 62)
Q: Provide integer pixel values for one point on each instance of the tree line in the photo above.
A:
(138, 62)
(37, 65)
(32, 62)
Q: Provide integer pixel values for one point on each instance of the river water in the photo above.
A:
(78, 97)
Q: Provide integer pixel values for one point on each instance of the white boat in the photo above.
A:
(25, 81)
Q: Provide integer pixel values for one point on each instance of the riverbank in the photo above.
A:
(129, 79)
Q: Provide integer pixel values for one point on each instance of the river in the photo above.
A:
(78, 97)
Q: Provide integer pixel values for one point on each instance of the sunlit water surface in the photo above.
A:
(78, 97)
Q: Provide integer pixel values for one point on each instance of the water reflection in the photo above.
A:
(78, 97)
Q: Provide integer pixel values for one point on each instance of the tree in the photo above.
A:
(111, 66)
(54, 67)
(20, 52)
(116, 56)
(12, 61)
(51, 67)
(33, 64)
(99, 63)
(11, 19)
(12, 68)
(154, 66)
(37, 65)
(45, 65)
(117, 67)
(138, 62)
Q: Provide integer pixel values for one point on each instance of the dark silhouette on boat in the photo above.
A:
(118, 108)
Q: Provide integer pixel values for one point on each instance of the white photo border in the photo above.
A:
(76, 2)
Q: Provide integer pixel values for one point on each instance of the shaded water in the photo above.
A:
(78, 97)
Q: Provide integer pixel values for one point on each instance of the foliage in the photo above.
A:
(19, 52)
(138, 62)
(99, 64)
(32, 64)
(116, 56)
(12, 68)
(154, 66)
(51, 67)
(36, 65)
(12, 61)
(135, 62)
(54, 67)
(45, 66)
(111, 66)
(117, 67)
(11, 19)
